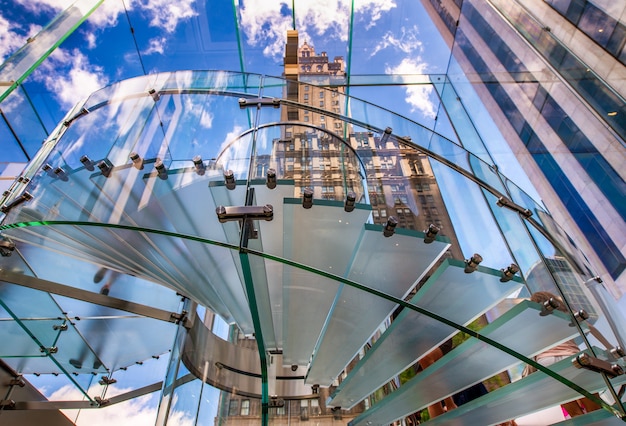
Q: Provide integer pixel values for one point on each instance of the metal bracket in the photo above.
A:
(60, 327)
(155, 95)
(16, 202)
(101, 402)
(580, 316)
(50, 350)
(598, 365)
(18, 381)
(505, 202)
(7, 404)
(104, 380)
(226, 214)
(246, 214)
(83, 111)
(7, 247)
(259, 102)
(181, 318)
(276, 402)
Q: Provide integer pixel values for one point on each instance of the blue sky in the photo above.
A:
(387, 37)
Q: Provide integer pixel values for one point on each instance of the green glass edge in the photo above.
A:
(339, 279)
(256, 320)
(49, 51)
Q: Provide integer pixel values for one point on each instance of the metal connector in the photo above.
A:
(591, 363)
(259, 102)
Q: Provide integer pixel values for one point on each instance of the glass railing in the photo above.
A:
(347, 239)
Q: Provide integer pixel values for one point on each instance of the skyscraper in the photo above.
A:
(551, 74)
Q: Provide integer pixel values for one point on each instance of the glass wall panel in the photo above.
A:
(375, 222)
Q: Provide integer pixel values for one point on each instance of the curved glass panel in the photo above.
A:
(339, 240)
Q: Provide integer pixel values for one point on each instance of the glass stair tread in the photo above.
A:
(324, 237)
(535, 392)
(595, 418)
(391, 265)
(474, 361)
(88, 343)
(450, 293)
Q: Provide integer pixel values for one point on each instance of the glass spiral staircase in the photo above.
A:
(238, 217)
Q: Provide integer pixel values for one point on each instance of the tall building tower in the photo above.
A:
(552, 76)
(319, 152)
(402, 175)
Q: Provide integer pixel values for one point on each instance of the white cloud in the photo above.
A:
(9, 40)
(407, 42)
(265, 25)
(37, 6)
(167, 14)
(91, 40)
(417, 95)
(70, 76)
(231, 154)
(106, 15)
(372, 10)
(13, 36)
(136, 412)
(163, 14)
(206, 119)
(155, 45)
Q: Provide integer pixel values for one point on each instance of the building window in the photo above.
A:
(417, 167)
(321, 94)
(306, 88)
(304, 410)
(233, 407)
(245, 407)
(321, 103)
(306, 96)
(306, 118)
(315, 407)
